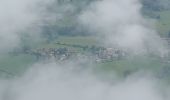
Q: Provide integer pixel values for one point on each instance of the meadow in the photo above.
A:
(16, 64)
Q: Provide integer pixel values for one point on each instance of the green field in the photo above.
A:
(13, 65)
(163, 24)
(16, 64)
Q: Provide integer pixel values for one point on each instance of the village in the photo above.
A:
(94, 53)
(61, 54)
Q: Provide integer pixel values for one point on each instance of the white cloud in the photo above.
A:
(15, 17)
(58, 82)
(122, 24)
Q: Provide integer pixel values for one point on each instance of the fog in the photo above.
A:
(120, 24)
(60, 82)
(17, 18)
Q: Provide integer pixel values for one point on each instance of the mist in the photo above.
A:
(18, 18)
(119, 23)
(61, 82)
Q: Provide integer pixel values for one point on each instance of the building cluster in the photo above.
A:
(51, 53)
(60, 54)
(109, 54)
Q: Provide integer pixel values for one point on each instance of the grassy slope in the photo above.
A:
(71, 40)
(133, 64)
(163, 24)
(16, 64)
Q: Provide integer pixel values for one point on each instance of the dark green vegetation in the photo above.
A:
(14, 65)
(159, 10)
(66, 31)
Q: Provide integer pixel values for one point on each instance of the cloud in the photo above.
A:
(122, 25)
(119, 21)
(57, 82)
(16, 16)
